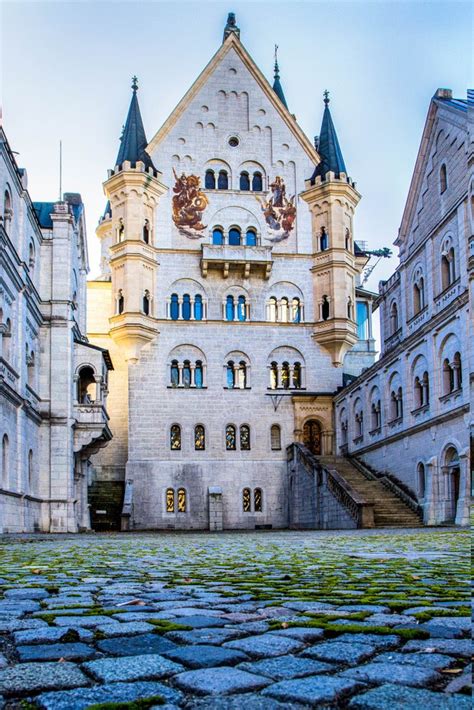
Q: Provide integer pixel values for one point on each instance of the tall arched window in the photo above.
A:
(257, 500)
(198, 375)
(186, 307)
(146, 303)
(425, 384)
(230, 438)
(230, 374)
(418, 393)
(375, 412)
(170, 500)
(187, 373)
(418, 292)
(175, 437)
(5, 461)
(7, 339)
(229, 308)
(257, 183)
(223, 180)
(174, 373)
(323, 239)
(7, 211)
(31, 259)
(245, 437)
(296, 376)
(448, 275)
(198, 310)
(393, 318)
(30, 364)
(296, 310)
(234, 236)
(272, 309)
(86, 385)
(120, 302)
(443, 179)
(246, 500)
(275, 437)
(217, 236)
(199, 438)
(182, 500)
(241, 308)
(325, 308)
(251, 238)
(421, 480)
(146, 232)
(210, 180)
(30, 470)
(244, 181)
(285, 375)
(174, 306)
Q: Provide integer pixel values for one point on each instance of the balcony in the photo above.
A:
(245, 259)
(91, 430)
(448, 295)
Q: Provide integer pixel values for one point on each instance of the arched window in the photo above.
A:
(223, 180)
(418, 292)
(399, 403)
(229, 308)
(187, 373)
(198, 311)
(120, 302)
(230, 438)
(31, 259)
(146, 303)
(30, 470)
(181, 500)
(199, 438)
(241, 308)
(186, 307)
(452, 374)
(257, 182)
(375, 412)
(274, 376)
(393, 406)
(284, 308)
(246, 500)
(170, 500)
(393, 318)
(120, 230)
(251, 238)
(457, 371)
(217, 236)
(146, 232)
(418, 393)
(257, 500)
(5, 461)
(421, 480)
(443, 179)
(242, 373)
(425, 384)
(325, 308)
(244, 181)
(7, 211)
(175, 437)
(86, 385)
(234, 236)
(285, 375)
(174, 373)
(296, 384)
(245, 437)
(347, 239)
(210, 180)
(349, 308)
(275, 438)
(448, 274)
(272, 309)
(312, 436)
(7, 338)
(296, 310)
(323, 240)
(230, 374)
(174, 306)
(198, 375)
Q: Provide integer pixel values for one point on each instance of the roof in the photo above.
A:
(277, 87)
(328, 148)
(43, 212)
(460, 104)
(133, 139)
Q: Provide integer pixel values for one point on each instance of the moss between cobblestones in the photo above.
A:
(142, 704)
(331, 629)
(162, 626)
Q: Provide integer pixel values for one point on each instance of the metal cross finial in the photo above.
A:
(276, 62)
(326, 96)
(134, 84)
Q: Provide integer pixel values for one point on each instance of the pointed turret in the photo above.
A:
(231, 27)
(277, 87)
(133, 139)
(328, 147)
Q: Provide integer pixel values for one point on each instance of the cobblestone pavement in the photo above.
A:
(260, 621)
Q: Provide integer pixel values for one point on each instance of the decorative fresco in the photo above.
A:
(279, 211)
(189, 202)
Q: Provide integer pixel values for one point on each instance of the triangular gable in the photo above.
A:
(233, 42)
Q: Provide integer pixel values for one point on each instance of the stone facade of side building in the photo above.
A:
(229, 299)
(410, 414)
(53, 382)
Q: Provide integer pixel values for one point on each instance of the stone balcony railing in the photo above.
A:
(448, 295)
(243, 258)
(91, 429)
(418, 320)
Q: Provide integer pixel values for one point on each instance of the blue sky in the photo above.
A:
(67, 68)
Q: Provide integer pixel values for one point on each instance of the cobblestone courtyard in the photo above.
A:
(373, 619)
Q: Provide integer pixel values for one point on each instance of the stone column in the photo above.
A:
(168, 308)
(193, 373)
(191, 299)
(180, 307)
(180, 374)
(98, 388)
(204, 375)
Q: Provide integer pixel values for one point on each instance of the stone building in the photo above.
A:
(52, 381)
(410, 414)
(229, 299)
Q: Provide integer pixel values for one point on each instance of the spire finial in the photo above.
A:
(277, 70)
(231, 27)
(326, 96)
(134, 84)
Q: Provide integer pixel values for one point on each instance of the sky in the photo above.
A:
(66, 69)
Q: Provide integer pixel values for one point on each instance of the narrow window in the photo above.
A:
(323, 239)
(175, 437)
(400, 403)
(174, 373)
(170, 500)
(362, 320)
(241, 308)
(244, 181)
(251, 238)
(393, 318)
(296, 384)
(198, 311)
(174, 306)
(421, 480)
(199, 438)
(5, 460)
(448, 377)
(187, 373)
(234, 237)
(246, 500)
(230, 375)
(285, 375)
(325, 308)
(7, 338)
(146, 303)
(245, 437)
(443, 179)
(30, 470)
(120, 302)
(223, 180)
(296, 310)
(146, 232)
(210, 180)
(393, 406)
(230, 439)
(272, 309)
(198, 375)
(181, 500)
(7, 211)
(274, 376)
(229, 308)
(275, 437)
(257, 185)
(186, 308)
(257, 500)
(217, 236)
(457, 371)
(425, 383)
(121, 231)
(418, 392)
(31, 259)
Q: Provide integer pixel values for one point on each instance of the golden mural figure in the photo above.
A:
(189, 202)
(279, 211)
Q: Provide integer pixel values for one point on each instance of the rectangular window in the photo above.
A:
(362, 320)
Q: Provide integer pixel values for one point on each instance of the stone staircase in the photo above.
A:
(392, 507)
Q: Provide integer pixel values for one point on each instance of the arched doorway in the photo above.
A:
(312, 436)
(453, 473)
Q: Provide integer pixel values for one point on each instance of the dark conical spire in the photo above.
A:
(328, 146)
(231, 27)
(133, 139)
(277, 87)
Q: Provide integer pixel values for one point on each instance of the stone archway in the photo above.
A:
(312, 436)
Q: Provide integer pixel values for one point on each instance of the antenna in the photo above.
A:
(60, 171)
